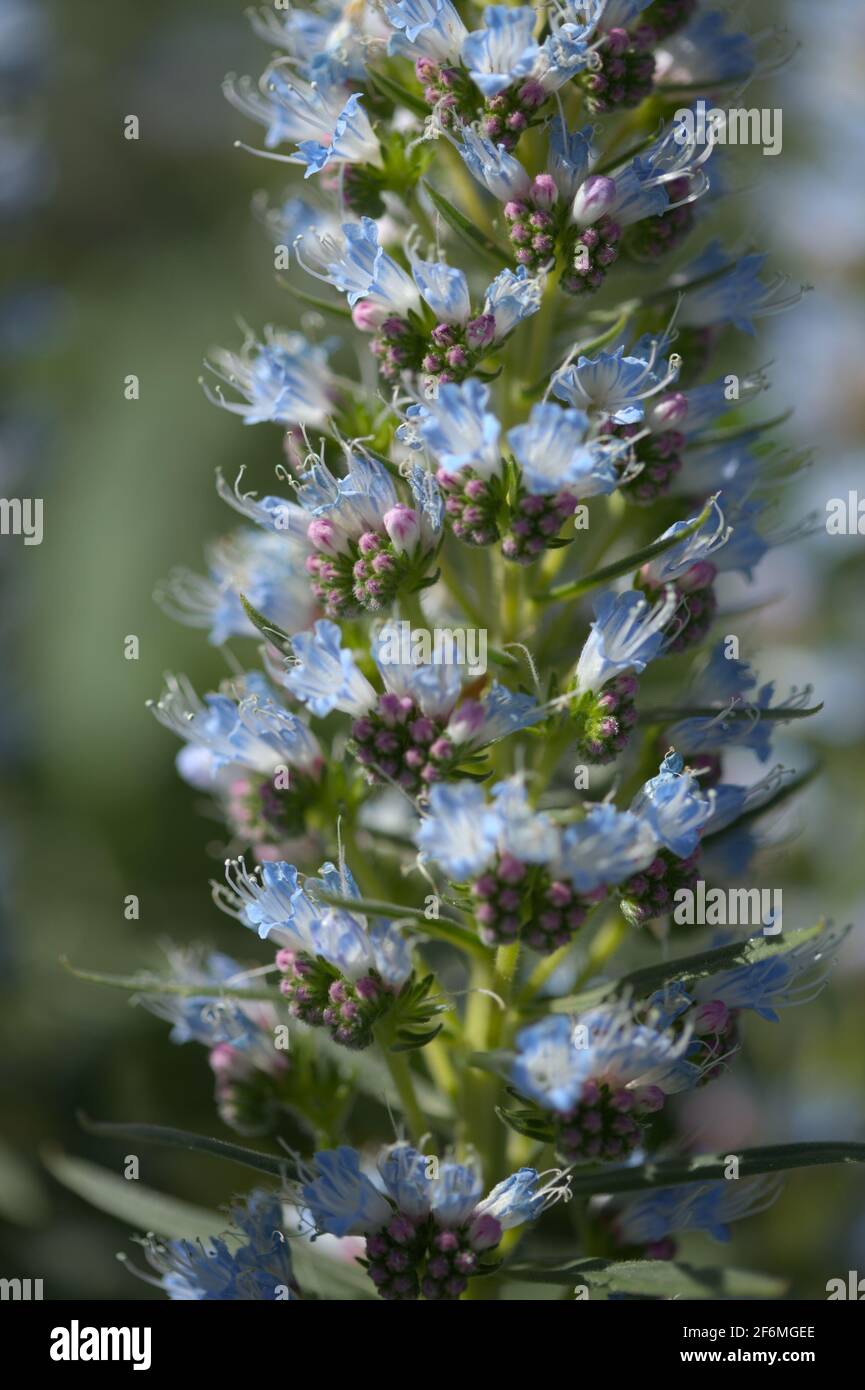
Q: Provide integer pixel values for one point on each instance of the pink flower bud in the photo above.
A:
(593, 199)
(480, 332)
(713, 1017)
(325, 536)
(669, 411)
(368, 316)
(544, 192)
(403, 526)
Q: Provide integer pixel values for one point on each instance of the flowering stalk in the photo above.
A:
(444, 840)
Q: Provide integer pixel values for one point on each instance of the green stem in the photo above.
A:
(400, 1074)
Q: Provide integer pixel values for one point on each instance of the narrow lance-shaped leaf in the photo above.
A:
(325, 306)
(169, 1138)
(744, 714)
(271, 631)
(398, 94)
(466, 229)
(771, 1158)
(152, 984)
(649, 1278)
(627, 565)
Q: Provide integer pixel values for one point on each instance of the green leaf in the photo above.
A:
(139, 1207)
(271, 632)
(466, 229)
(770, 1158)
(326, 306)
(744, 714)
(169, 1138)
(398, 94)
(145, 983)
(649, 1278)
(443, 928)
(687, 969)
(627, 565)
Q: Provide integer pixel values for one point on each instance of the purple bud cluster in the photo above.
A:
(697, 607)
(321, 1000)
(659, 453)
(653, 237)
(508, 114)
(624, 72)
(651, 893)
(605, 1125)
(590, 254)
(535, 521)
(410, 1256)
(394, 1257)
(395, 343)
(605, 719)
(471, 506)
(448, 91)
(397, 742)
(509, 891)
(454, 351)
(665, 17)
(533, 224)
(366, 574)
(263, 814)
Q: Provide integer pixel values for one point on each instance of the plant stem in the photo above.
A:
(400, 1073)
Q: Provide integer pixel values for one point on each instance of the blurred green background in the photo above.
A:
(134, 257)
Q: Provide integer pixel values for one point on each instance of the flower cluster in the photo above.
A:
(512, 451)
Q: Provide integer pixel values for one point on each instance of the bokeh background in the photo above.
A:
(134, 257)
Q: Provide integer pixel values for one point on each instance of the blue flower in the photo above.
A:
(503, 51)
(610, 383)
(492, 166)
(628, 633)
(445, 290)
(356, 264)
(267, 568)
(211, 1019)
(283, 379)
(425, 29)
(693, 550)
(654, 1216)
(733, 291)
(251, 731)
(460, 432)
(460, 830)
(553, 454)
(271, 901)
(325, 42)
(605, 848)
(704, 52)
(739, 725)
(569, 157)
(794, 976)
(257, 1268)
(341, 1199)
(516, 1200)
(351, 141)
(514, 295)
(671, 805)
(553, 1070)
(326, 676)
